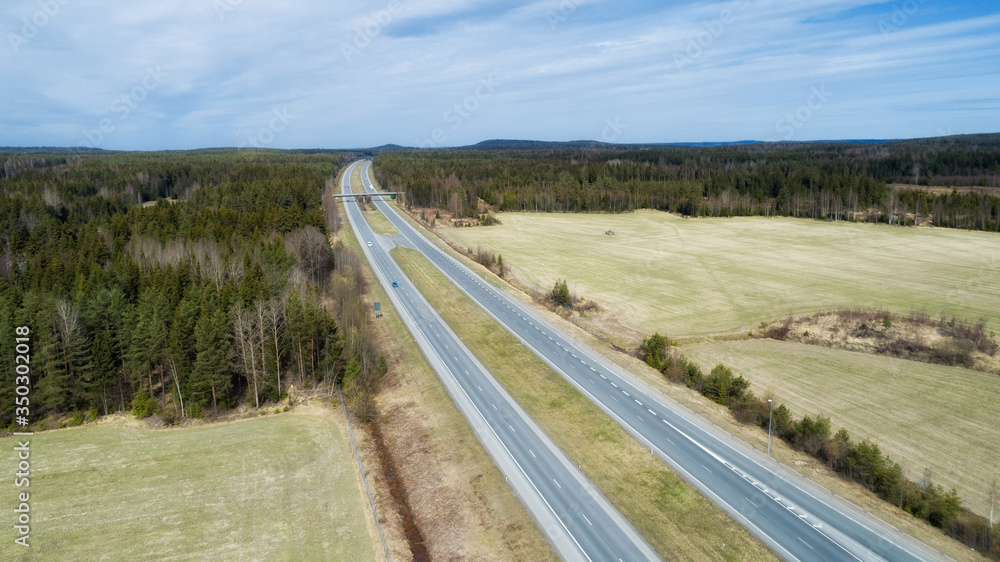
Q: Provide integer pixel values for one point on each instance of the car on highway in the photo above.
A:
(369, 244)
(395, 283)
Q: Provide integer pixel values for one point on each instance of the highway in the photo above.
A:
(577, 519)
(796, 518)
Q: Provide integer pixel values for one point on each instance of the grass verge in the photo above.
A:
(676, 520)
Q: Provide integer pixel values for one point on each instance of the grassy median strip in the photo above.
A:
(676, 519)
(375, 218)
(276, 487)
(459, 499)
(379, 223)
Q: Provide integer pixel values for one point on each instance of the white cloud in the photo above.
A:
(559, 79)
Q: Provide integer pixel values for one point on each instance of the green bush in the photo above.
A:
(723, 387)
(144, 406)
(560, 294)
(811, 434)
(653, 351)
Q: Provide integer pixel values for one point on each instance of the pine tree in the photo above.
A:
(211, 375)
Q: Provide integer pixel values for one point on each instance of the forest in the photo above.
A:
(176, 283)
(877, 181)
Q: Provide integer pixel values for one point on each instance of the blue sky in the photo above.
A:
(175, 74)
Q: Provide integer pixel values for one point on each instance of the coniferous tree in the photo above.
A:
(211, 375)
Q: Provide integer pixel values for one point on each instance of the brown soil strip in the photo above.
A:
(399, 499)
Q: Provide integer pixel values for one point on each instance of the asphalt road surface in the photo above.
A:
(579, 522)
(798, 519)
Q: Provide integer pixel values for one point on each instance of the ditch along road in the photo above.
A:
(796, 518)
(576, 518)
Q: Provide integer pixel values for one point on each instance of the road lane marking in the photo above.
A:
(494, 406)
(804, 542)
(614, 385)
(650, 411)
(557, 483)
(708, 469)
(587, 520)
(532, 453)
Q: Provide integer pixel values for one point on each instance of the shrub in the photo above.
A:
(957, 353)
(560, 294)
(723, 387)
(693, 377)
(144, 405)
(779, 333)
(811, 434)
(782, 424)
(653, 351)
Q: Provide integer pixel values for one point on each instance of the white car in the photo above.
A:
(369, 243)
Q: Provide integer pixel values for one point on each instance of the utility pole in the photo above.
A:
(770, 415)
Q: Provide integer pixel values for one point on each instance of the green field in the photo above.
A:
(695, 277)
(276, 488)
(922, 415)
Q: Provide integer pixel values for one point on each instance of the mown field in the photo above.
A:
(280, 487)
(695, 277)
(924, 416)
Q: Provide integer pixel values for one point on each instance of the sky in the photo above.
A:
(183, 74)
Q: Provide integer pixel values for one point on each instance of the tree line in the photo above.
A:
(830, 181)
(859, 461)
(176, 283)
